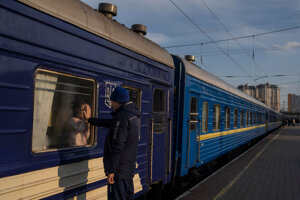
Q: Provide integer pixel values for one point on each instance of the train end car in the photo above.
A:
(53, 54)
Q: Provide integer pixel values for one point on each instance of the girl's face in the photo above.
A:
(81, 111)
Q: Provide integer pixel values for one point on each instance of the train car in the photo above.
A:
(52, 54)
(213, 117)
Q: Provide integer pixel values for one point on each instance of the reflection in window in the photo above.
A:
(227, 118)
(193, 114)
(159, 111)
(59, 102)
(134, 96)
(242, 119)
(216, 117)
(205, 117)
(235, 118)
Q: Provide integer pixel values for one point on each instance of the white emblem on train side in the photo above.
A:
(109, 88)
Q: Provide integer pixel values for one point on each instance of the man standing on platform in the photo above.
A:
(120, 146)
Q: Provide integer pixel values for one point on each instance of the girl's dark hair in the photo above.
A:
(76, 105)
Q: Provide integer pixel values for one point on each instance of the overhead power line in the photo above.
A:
(236, 38)
(223, 25)
(287, 83)
(212, 41)
(276, 75)
(235, 27)
(218, 53)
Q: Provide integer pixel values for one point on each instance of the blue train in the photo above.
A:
(54, 52)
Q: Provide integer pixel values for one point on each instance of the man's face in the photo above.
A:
(115, 105)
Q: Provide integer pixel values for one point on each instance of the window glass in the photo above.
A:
(159, 111)
(251, 118)
(193, 114)
(235, 118)
(247, 118)
(216, 117)
(260, 120)
(205, 117)
(254, 118)
(59, 104)
(242, 119)
(134, 96)
(227, 118)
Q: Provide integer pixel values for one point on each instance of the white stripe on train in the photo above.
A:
(51, 181)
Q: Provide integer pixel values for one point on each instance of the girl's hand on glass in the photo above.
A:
(87, 111)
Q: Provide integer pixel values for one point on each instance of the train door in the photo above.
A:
(159, 132)
(193, 134)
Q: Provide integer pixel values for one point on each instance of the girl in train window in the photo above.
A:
(59, 102)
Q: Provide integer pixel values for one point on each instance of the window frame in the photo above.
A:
(93, 131)
(205, 125)
(139, 105)
(235, 117)
(260, 119)
(165, 113)
(219, 119)
(227, 117)
(193, 125)
(242, 118)
(247, 118)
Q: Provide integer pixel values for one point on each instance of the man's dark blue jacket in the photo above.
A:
(121, 142)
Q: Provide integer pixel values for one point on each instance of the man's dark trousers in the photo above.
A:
(120, 190)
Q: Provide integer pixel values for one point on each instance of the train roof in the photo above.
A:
(81, 15)
(209, 78)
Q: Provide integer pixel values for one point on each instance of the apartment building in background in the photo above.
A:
(293, 103)
(266, 93)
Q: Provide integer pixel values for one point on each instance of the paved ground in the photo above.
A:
(269, 171)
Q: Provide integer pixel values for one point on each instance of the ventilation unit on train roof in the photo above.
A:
(190, 58)
(140, 29)
(107, 9)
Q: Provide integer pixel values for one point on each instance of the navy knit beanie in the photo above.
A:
(120, 95)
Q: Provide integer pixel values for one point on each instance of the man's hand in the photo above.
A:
(110, 178)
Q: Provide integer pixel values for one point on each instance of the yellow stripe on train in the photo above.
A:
(47, 182)
(224, 133)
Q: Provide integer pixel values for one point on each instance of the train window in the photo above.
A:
(251, 118)
(254, 118)
(59, 104)
(193, 114)
(235, 118)
(242, 119)
(216, 117)
(247, 118)
(159, 111)
(227, 117)
(260, 118)
(205, 117)
(134, 95)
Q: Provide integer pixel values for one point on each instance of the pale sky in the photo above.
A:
(275, 25)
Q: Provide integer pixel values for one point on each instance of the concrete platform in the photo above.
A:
(268, 171)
